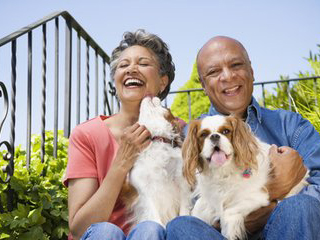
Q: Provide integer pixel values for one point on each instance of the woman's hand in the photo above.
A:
(134, 139)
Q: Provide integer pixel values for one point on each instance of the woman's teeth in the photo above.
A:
(133, 82)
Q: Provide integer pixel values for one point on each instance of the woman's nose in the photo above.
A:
(132, 68)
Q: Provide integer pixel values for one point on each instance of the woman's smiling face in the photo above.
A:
(137, 74)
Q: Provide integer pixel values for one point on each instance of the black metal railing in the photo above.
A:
(76, 105)
(256, 84)
(70, 102)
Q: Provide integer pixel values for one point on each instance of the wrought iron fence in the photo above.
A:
(262, 93)
(74, 111)
(49, 31)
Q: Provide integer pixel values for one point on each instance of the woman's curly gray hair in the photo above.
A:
(152, 42)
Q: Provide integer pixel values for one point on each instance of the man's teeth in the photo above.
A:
(231, 90)
(135, 82)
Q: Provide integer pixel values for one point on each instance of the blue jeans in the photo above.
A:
(297, 217)
(107, 231)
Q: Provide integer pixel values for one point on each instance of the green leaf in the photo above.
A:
(4, 236)
(36, 195)
(35, 216)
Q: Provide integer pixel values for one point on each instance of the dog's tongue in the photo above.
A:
(219, 157)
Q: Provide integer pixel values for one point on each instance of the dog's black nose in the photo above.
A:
(215, 138)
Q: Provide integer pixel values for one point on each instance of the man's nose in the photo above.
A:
(227, 74)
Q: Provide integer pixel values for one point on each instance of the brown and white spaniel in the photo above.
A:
(229, 168)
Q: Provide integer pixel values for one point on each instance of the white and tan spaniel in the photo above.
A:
(229, 168)
(159, 192)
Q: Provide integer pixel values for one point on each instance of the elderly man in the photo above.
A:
(227, 76)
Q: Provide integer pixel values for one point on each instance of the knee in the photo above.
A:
(150, 225)
(147, 230)
(106, 227)
(181, 221)
(300, 205)
(103, 229)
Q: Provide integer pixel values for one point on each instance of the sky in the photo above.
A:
(278, 35)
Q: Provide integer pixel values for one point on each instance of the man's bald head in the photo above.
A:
(221, 40)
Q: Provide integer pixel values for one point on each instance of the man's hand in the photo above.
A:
(288, 170)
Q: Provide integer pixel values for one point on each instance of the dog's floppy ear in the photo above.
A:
(191, 153)
(244, 143)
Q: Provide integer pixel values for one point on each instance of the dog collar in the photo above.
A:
(247, 173)
(173, 142)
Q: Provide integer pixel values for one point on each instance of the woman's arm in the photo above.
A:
(89, 204)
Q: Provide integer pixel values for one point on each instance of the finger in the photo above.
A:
(273, 149)
(140, 131)
(282, 149)
(144, 135)
(285, 150)
(145, 144)
(132, 128)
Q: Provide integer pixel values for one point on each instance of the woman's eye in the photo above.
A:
(123, 65)
(144, 64)
(225, 131)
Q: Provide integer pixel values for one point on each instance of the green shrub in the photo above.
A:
(304, 95)
(40, 199)
(200, 103)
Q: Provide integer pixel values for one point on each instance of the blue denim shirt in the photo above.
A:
(285, 128)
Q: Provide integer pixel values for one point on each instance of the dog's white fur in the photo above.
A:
(157, 173)
(224, 193)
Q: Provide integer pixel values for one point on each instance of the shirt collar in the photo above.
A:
(254, 108)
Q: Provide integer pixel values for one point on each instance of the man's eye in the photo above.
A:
(237, 64)
(213, 72)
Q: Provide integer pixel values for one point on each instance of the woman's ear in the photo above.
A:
(164, 81)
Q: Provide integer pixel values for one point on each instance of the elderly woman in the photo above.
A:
(103, 150)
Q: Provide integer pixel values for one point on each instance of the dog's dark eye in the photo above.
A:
(204, 134)
(225, 131)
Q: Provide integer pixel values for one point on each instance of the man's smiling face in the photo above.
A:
(226, 74)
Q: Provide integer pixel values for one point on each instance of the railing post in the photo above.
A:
(13, 93)
(289, 96)
(78, 77)
(189, 105)
(68, 69)
(263, 95)
(88, 81)
(29, 99)
(315, 85)
(44, 89)
(10, 148)
(97, 85)
(56, 89)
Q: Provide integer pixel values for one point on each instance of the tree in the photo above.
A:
(199, 101)
(304, 95)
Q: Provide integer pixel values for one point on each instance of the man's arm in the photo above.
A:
(288, 170)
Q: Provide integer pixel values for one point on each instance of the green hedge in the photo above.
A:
(40, 201)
